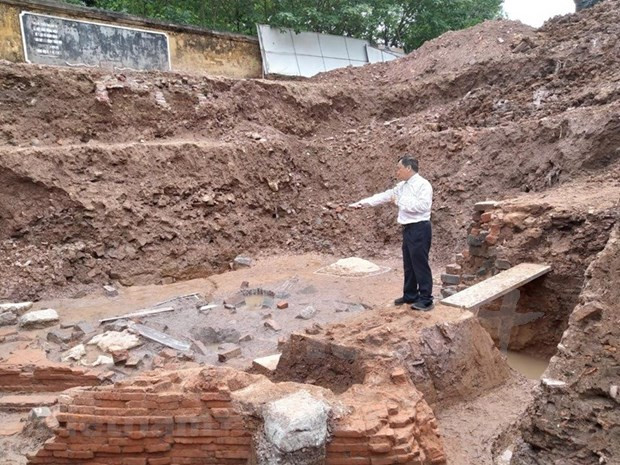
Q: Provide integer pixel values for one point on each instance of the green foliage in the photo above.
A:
(399, 23)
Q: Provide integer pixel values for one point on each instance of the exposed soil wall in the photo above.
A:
(575, 416)
(564, 228)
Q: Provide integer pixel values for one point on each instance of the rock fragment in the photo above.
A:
(17, 308)
(295, 430)
(113, 340)
(307, 313)
(228, 351)
(8, 318)
(273, 325)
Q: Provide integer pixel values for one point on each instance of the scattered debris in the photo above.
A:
(271, 324)
(314, 329)
(103, 360)
(76, 353)
(60, 336)
(266, 364)
(83, 328)
(119, 356)
(204, 308)
(17, 308)
(8, 318)
(486, 205)
(210, 335)
(134, 360)
(241, 260)
(282, 305)
(39, 413)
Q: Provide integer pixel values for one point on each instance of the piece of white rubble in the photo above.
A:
(114, 340)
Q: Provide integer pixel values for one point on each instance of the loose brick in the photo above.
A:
(486, 217)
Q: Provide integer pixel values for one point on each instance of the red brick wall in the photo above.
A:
(135, 427)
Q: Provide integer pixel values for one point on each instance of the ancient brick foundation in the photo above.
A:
(46, 378)
(209, 415)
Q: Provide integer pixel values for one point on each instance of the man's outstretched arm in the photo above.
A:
(377, 199)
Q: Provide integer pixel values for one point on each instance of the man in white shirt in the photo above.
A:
(413, 196)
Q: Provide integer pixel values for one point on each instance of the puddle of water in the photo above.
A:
(528, 366)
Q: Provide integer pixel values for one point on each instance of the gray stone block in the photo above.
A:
(451, 279)
(8, 318)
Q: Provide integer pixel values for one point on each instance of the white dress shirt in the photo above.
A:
(413, 197)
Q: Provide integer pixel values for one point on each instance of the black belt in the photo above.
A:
(417, 223)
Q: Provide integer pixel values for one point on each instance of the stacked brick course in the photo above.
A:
(46, 378)
(135, 425)
(386, 432)
(480, 260)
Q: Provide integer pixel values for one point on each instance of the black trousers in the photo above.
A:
(418, 277)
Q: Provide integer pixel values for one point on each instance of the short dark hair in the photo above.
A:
(408, 160)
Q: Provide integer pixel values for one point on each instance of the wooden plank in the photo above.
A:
(496, 286)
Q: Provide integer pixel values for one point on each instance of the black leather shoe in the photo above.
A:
(423, 306)
(401, 301)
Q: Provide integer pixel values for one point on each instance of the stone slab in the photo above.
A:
(496, 286)
(39, 318)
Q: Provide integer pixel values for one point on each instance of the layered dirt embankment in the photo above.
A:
(157, 177)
